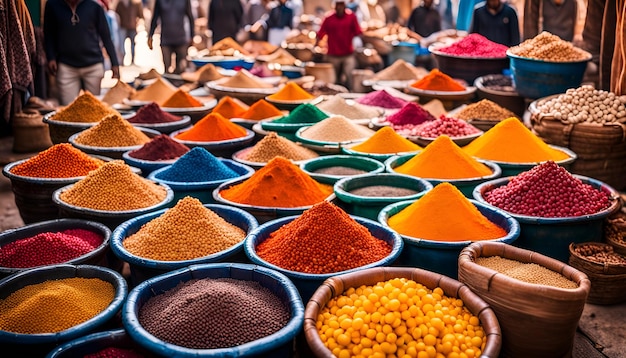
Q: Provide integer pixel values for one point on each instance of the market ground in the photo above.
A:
(601, 331)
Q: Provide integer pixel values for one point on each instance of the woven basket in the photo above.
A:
(601, 149)
(615, 229)
(536, 320)
(608, 281)
(336, 285)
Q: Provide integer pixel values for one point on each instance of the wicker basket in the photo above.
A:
(601, 149)
(615, 230)
(336, 285)
(536, 320)
(608, 281)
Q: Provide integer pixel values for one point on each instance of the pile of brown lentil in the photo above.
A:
(485, 110)
(187, 231)
(549, 47)
(527, 272)
(273, 145)
(585, 104)
(600, 253)
(112, 131)
(214, 313)
(55, 305)
(84, 109)
(59, 161)
(114, 187)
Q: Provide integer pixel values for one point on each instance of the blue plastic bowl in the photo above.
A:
(307, 283)
(536, 78)
(466, 186)
(440, 256)
(370, 206)
(371, 166)
(225, 62)
(35, 345)
(279, 344)
(203, 191)
(97, 257)
(552, 236)
(96, 342)
(142, 269)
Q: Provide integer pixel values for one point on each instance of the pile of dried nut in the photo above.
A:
(549, 47)
(585, 105)
(600, 253)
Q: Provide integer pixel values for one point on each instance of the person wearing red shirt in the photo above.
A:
(340, 27)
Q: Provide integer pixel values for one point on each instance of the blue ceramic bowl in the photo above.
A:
(442, 256)
(552, 236)
(142, 268)
(307, 283)
(278, 344)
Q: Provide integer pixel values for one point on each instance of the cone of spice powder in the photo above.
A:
(273, 145)
(444, 214)
(410, 115)
(203, 74)
(261, 109)
(161, 147)
(386, 141)
(84, 109)
(158, 92)
(279, 184)
(338, 105)
(212, 128)
(290, 92)
(244, 79)
(187, 231)
(59, 161)
(152, 113)
(400, 70)
(230, 107)
(112, 131)
(304, 113)
(181, 99)
(114, 187)
(438, 81)
(118, 93)
(336, 129)
(323, 240)
(382, 99)
(443, 159)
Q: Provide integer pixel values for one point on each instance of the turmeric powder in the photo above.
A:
(386, 141)
(444, 214)
(443, 159)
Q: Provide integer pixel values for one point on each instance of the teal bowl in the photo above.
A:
(142, 268)
(552, 236)
(37, 345)
(202, 191)
(312, 167)
(440, 256)
(466, 186)
(370, 206)
(307, 283)
(279, 344)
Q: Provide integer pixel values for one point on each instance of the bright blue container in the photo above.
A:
(370, 206)
(536, 78)
(311, 166)
(202, 191)
(95, 342)
(279, 344)
(37, 345)
(440, 256)
(225, 62)
(142, 269)
(307, 283)
(466, 186)
(552, 236)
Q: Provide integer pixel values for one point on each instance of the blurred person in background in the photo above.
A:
(279, 23)
(497, 21)
(177, 31)
(225, 18)
(129, 12)
(555, 16)
(253, 19)
(340, 27)
(73, 31)
(425, 19)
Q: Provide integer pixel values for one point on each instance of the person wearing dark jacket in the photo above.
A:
(176, 35)
(225, 18)
(279, 22)
(73, 31)
(497, 21)
(425, 19)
